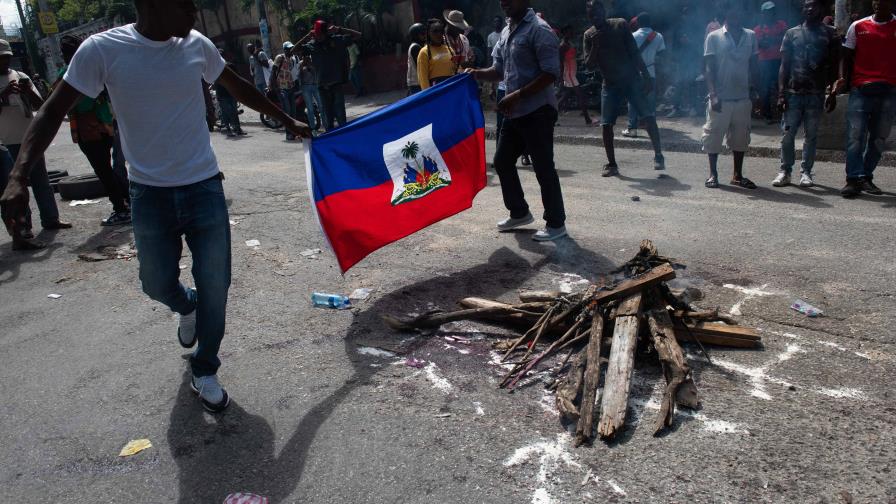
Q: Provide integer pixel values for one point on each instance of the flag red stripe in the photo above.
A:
(361, 221)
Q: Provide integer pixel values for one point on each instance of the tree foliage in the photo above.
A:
(76, 12)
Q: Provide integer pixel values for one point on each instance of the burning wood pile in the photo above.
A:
(595, 334)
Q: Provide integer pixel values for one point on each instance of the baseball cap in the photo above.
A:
(768, 6)
(5, 48)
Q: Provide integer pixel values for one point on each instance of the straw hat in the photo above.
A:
(456, 19)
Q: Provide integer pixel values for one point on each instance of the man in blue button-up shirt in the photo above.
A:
(527, 59)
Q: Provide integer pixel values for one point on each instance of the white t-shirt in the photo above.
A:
(156, 89)
(649, 53)
(13, 118)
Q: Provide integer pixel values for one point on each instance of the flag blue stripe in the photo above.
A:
(351, 157)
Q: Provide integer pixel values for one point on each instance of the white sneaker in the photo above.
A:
(550, 234)
(213, 397)
(806, 180)
(186, 330)
(782, 180)
(630, 133)
(511, 223)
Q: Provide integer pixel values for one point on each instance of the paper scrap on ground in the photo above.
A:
(360, 294)
(253, 243)
(54, 296)
(134, 447)
(83, 202)
(310, 253)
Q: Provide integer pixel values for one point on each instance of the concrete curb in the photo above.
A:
(823, 156)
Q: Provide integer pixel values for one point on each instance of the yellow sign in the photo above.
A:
(48, 23)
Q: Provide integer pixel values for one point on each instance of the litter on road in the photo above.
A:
(54, 296)
(336, 301)
(253, 243)
(134, 447)
(806, 309)
(84, 202)
(595, 334)
(245, 498)
(360, 294)
(310, 253)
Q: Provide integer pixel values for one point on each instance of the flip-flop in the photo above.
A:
(743, 182)
(711, 183)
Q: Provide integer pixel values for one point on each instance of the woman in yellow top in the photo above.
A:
(436, 61)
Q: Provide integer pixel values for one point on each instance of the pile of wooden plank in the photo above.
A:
(596, 333)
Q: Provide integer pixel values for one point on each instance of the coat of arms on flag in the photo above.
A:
(416, 166)
(398, 170)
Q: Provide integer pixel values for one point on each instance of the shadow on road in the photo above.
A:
(662, 186)
(11, 261)
(777, 196)
(235, 451)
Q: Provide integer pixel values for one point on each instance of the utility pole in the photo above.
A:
(30, 49)
(263, 27)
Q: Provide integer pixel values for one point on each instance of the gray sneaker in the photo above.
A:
(782, 180)
(511, 223)
(550, 234)
(186, 329)
(214, 398)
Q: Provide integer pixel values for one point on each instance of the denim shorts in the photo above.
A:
(613, 99)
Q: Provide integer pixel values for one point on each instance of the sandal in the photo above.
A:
(743, 182)
(711, 183)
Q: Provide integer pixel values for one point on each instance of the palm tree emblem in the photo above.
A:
(410, 152)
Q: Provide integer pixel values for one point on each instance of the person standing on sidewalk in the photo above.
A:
(868, 69)
(18, 100)
(417, 36)
(258, 66)
(91, 126)
(283, 84)
(330, 56)
(651, 44)
(230, 116)
(732, 73)
(152, 70)
(436, 61)
(570, 72)
(610, 46)
(310, 92)
(455, 36)
(769, 35)
(355, 71)
(527, 59)
(808, 61)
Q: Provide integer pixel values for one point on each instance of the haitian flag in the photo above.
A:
(398, 170)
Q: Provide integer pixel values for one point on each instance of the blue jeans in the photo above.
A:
(198, 212)
(230, 116)
(313, 105)
(868, 123)
(634, 118)
(357, 78)
(613, 98)
(333, 105)
(802, 110)
(40, 186)
(288, 104)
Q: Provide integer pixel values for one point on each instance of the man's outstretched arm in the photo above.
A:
(248, 95)
(38, 137)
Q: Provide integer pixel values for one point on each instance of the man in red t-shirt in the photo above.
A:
(769, 35)
(867, 69)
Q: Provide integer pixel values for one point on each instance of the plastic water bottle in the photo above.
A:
(330, 301)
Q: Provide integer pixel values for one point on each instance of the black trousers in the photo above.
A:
(532, 134)
(99, 155)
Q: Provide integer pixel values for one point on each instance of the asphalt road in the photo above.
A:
(326, 411)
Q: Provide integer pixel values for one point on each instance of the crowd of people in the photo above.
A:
(782, 74)
(149, 73)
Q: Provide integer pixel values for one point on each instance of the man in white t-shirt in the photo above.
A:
(153, 72)
(651, 44)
